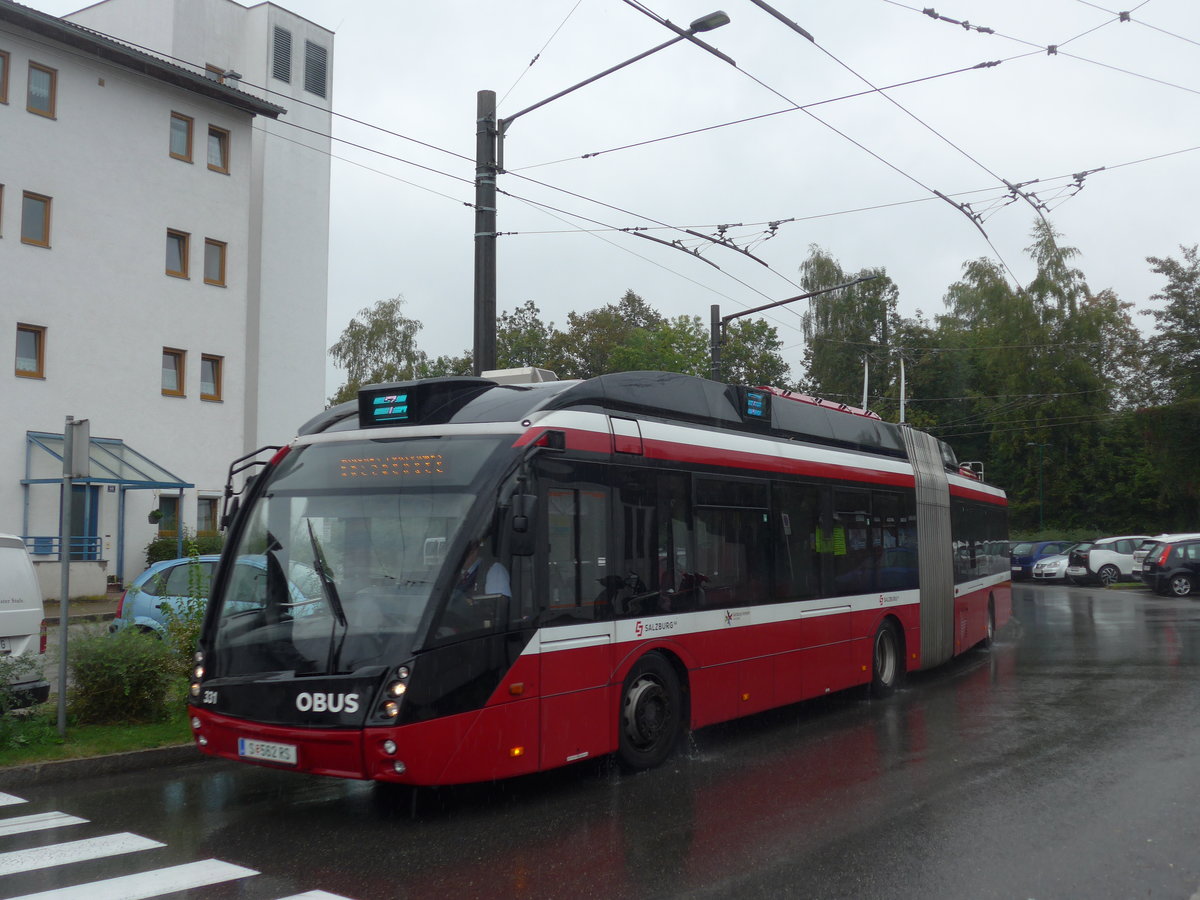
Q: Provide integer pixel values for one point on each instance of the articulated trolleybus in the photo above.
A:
(457, 580)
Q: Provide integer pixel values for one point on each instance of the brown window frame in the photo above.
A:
(53, 73)
(180, 357)
(214, 73)
(219, 281)
(224, 136)
(44, 241)
(185, 252)
(4, 70)
(190, 130)
(39, 332)
(213, 504)
(218, 376)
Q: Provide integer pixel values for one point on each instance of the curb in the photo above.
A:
(90, 767)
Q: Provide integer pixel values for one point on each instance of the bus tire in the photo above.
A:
(886, 660)
(649, 720)
(989, 637)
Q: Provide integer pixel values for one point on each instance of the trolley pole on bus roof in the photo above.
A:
(717, 322)
(489, 163)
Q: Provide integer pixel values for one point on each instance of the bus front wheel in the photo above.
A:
(650, 716)
(885, 660)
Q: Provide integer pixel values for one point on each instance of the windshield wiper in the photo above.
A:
(327, 585)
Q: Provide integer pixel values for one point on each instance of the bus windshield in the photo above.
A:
(336, 562)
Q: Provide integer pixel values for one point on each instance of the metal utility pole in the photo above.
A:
(489, 162)
(718, 322)
(486, 170)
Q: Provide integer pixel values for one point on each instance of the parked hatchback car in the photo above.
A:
(1173, 567)
(168, 584)
(1139, 555)
(1025, 554)
(1105, 560)
(165, 583)
(1053, 568)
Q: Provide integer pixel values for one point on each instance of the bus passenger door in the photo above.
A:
(576, 631)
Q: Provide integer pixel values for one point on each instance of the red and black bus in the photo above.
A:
(456, 580)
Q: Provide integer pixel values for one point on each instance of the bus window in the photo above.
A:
(653, 572)
(854, 551)
(797, 512)
(732, 540)
(894, 532)
(576, 568)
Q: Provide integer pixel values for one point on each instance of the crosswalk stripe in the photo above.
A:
(315, 895)
(73, 851)
(148, 884)
(9, 800)
(37, 822)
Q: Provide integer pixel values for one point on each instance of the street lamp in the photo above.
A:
(1041, 494)
(489, 162)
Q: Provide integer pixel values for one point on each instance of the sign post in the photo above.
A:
(76, 454)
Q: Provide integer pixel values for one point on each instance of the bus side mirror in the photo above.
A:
(521, 524)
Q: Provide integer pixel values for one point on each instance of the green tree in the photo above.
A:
(592, 337)
(379, 345)
(673, 345)
(843, 327)
(751, 355)
(523, 339)
(1175, 346)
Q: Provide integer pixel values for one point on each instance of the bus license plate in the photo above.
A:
(267, 751)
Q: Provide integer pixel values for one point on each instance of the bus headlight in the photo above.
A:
(391, 709)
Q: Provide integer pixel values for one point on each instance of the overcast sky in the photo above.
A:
(858, 181)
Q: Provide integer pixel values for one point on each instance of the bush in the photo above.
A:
(168, 547)
(183, 622)
(14, 727)
(118, 678)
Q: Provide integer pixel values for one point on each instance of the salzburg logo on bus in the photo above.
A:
(732, 615)
(327, 702)
(644, 628)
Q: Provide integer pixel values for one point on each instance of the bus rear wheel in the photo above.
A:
(650, 715)
(885, 660)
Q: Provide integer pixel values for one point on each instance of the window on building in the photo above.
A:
(35, 219)
(172, 372)
(281, 60)
(31, 351)
(214, 73)
(316, 60)
(181, 137)
(206, 516)
(168, 524)
(177, 253)
(43, 82)
(218, 149)
(214, 262)
(4, 76)
(210, 376)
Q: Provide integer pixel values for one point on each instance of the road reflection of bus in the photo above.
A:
(511, 578)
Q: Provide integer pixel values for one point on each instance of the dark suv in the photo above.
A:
(1173, 567)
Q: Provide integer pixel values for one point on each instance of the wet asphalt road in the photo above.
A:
(1065, 763)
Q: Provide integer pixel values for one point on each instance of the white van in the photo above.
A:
(22, 620)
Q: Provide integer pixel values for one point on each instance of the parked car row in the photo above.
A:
(1168, 563)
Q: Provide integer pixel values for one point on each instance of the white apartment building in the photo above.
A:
(163, 261)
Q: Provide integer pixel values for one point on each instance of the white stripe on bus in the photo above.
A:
(154, 883)
(73, 851)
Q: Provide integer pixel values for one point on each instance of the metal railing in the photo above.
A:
(82, 548)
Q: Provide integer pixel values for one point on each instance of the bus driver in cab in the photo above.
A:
(475, 600)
